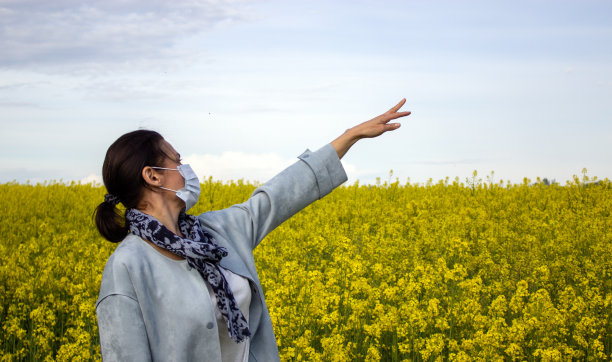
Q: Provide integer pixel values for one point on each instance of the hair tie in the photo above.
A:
(111, 199)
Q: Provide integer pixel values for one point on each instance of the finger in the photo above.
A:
(396, 115)
(397, 106)
(392, 126)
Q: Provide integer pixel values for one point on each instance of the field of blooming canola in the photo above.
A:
(441, 271)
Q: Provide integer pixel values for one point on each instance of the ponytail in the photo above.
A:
(110, 223)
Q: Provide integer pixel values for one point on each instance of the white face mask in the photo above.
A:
(191, 192)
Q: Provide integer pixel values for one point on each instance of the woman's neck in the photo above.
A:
(168, 218)
(167, 214)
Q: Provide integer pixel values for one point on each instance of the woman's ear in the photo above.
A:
(150, 176)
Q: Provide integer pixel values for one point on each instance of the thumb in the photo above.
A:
(392, 126)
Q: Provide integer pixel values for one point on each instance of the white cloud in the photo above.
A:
(239, 165)
(91, 179)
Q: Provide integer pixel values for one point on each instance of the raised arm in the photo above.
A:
(372, 128)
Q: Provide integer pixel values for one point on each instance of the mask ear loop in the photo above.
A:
(165, 168)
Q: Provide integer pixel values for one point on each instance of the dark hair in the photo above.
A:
(122, 177)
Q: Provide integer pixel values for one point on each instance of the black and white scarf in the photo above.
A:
(201, 251)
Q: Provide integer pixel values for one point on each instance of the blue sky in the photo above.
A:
(240, 88)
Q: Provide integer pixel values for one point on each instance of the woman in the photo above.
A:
(184, 288)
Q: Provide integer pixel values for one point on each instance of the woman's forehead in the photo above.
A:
(170, 150)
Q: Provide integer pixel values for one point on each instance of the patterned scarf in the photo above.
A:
(201, 251)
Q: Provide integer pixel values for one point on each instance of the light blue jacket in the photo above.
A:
(152, 307)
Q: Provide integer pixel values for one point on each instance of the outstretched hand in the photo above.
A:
(379, 125)
(372, 128)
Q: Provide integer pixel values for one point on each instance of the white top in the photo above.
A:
(230, 350)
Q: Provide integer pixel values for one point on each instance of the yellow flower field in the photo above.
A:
(442, 271)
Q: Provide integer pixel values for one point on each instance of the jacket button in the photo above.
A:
(210, 325)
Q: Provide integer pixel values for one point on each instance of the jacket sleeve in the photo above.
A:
(122, 330)
(315, 175)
